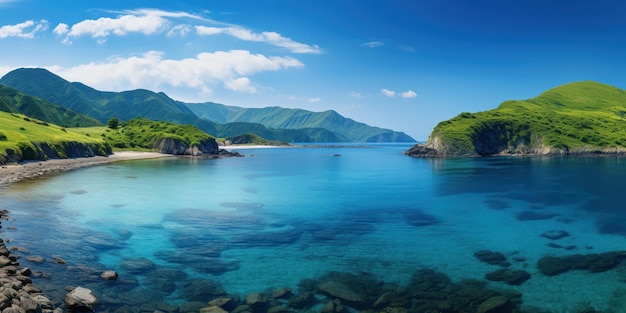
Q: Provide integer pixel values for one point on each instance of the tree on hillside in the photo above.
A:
(113, 123)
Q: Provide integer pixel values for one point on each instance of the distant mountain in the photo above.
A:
(582, 118)
(273, 123)
(344, 129)
(14, 101)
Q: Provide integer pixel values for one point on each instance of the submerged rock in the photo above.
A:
(109, 275)
(492, 258)
(555, 234)
(337, 290)
(601, 262)
(81, 299)
(493, 304)
(511, 277)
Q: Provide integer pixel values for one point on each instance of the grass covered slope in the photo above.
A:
(577, 118)
(24, 138)
(145, 135)
(14, 101)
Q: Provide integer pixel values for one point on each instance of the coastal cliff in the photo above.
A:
(180, 147)
(585, 118)
(42, 151)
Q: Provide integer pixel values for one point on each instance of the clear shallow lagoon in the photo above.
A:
(278, 216)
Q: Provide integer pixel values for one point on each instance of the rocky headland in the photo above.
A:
(577, 119)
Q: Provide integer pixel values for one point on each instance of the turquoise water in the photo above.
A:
(279, 216)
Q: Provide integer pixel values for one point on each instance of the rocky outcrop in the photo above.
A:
(41, 151)
(179, 147)
(494, 144)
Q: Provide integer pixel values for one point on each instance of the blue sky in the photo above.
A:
(404, 65)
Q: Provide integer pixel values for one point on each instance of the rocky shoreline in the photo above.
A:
(17, 292)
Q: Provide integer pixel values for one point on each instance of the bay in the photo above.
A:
(282, 216)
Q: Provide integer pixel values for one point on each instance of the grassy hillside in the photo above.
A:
(14, 101)
(25, 138)
(141, 134)
(252, 139)
(573, 118)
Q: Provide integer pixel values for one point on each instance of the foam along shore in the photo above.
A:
(245, 147)
(13, 173)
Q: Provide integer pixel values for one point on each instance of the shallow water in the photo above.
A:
(278, 216)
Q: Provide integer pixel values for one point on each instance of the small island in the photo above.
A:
(577, 119)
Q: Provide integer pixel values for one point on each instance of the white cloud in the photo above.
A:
(408, 94)
(61, 29)
(151, 70)
(161, 13)
(272, 38)
(313, 100)
(27, 29)
(121, 25)
(181, 30)
(373, 44)
(388, 93)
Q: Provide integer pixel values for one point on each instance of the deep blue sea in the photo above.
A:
(280, 216)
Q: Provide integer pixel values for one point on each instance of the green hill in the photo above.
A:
(14, 101)
(165, 137)
(24, 138)
(342, 128)
(573, 119)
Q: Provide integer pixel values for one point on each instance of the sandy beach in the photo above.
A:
(13, 173)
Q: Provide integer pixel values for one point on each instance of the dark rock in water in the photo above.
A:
(429, 284)
(227, 303)
(494, 304)
(393, 298)
(201, 290)
(594, 263)
(282, 293)
(551, 265)
(492, 258)
(137, 265)
(419, 219)
(337, 290)
(212, 309)
(303, 300)
(555, 234)
(535, 216)
(257, 302)
(333, 306)
(511, 277)
(554, 245)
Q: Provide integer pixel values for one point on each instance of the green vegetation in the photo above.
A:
(144, 135)
(27, 138)
(252, 139)
(583, 115)
(113, 123)
(13, 101)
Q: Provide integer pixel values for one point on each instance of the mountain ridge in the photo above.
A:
(126, 105)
